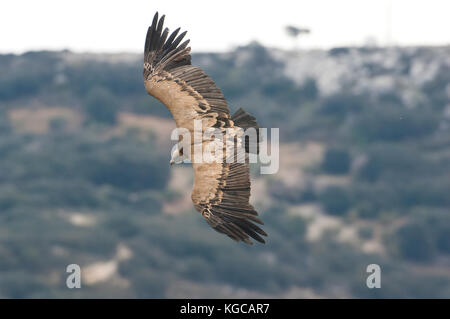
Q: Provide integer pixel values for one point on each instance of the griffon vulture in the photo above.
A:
(221, 190)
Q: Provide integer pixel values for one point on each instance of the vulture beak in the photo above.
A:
(172, 162)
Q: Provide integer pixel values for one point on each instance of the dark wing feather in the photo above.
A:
(228, 210)
(165, 59)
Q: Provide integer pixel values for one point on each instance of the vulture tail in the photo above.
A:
(245, 121)
(163, 51)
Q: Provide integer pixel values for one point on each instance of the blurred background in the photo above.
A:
(359, 89)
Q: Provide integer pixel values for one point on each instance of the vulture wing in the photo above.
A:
(186, 90)
(221, 190)
(221, 194)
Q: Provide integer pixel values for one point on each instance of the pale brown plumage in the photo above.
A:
(221, 191)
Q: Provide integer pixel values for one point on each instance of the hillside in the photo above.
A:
(364, 177)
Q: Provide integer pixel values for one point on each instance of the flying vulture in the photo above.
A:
(221, 190)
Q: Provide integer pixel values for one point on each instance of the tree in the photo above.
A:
(415, 243)
(101, 105)
(294, 32)
(335, 200)
(395, 124)
(336, 161)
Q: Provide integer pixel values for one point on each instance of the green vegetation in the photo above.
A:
(336, 161)
(335, 200)
(79, 191)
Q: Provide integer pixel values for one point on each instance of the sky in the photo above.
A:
(120, 26)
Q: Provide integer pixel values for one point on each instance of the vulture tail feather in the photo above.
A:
(245, 121)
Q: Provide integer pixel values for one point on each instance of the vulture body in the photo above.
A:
(221, 190)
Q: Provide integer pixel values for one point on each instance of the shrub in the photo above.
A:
(395, 160)
(335, 200)
(415, 243)
(101, 105)
(336, 161)
(341, 104)
(394, 124)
